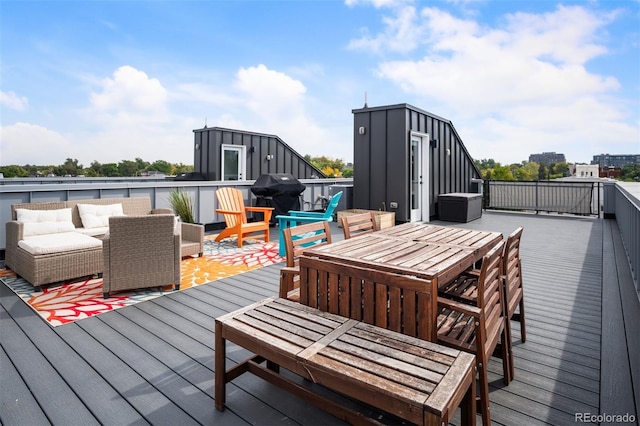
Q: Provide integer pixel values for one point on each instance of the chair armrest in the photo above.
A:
(106, 258)
(302, 219)
(161, 211)
(305, 214)
(288, 276)
(463, 308)
(192, 232)
(290, 270)
(259, 209)
(14, 233)
(266, 211)
(220, 211)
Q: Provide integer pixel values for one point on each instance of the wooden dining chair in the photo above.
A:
(294, 218)
(358, 224)
(479, 329)
(296, 240)
(513, 289)
(465, 289)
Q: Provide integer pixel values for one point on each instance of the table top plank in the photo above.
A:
(431, 252)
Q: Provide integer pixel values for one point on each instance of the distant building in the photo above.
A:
(587, 171)
(608, 160)
(547, 158)
(611, 172)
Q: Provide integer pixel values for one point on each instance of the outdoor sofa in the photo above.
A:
(48, 242)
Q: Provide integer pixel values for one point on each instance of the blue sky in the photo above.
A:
(115, 80)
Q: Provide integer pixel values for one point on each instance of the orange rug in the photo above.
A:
(77, 299)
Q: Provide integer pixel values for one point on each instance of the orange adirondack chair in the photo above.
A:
(235, 216)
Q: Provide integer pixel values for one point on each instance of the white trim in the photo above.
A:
(242, 161)
(422, 213)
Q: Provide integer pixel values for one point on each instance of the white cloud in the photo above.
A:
(276, 104)
(527, 78)
(25, 143)
(13, 101)
(402, 33)
(130, 97)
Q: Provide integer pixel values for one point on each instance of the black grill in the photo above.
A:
(278, 190)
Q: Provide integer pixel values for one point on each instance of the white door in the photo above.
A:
(419, 175)
(233, 165)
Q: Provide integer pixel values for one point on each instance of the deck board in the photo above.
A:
(153, 362)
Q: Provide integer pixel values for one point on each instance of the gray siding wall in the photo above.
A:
(381, 158)
(285, 160)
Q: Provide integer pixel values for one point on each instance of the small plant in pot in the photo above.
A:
(182, 205)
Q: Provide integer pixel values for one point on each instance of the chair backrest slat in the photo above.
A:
(490, 296)
(512, 270)
(358, 224)
(301, 237)
(231, 199)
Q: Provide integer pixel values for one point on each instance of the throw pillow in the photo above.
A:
(97, 216)
(40, 222)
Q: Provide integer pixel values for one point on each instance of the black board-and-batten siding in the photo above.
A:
(265, 154)
(382, 158)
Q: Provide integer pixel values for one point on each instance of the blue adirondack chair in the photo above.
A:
(295, 217)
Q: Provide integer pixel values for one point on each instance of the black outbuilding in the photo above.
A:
(404, 158)
(230, 155)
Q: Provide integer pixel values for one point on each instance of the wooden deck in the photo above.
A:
(153, 363)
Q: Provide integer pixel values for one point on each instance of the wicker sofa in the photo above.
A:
(69, 251)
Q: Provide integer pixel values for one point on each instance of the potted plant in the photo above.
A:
(182, 205)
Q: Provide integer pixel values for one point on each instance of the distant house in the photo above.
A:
(587, 170)
(228, 154)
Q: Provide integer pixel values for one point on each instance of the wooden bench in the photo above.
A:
(414, 379)
(368, 352)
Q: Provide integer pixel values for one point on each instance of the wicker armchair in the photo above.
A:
(192, 239)
(141, 252)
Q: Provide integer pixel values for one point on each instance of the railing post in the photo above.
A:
(537, 201)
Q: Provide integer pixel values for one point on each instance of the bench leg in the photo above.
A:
(220, 366)
(468, 406)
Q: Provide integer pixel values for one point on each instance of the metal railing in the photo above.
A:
(202, 192)
(581, 198)
(626, 207)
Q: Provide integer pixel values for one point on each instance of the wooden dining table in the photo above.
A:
(432, 252)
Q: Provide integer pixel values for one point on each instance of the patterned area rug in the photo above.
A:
(75, 300)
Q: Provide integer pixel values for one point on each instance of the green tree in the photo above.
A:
(71, 167)
(528, 171)
(502, 173)
(141, 164)
(560, 170)
(485, 164)
(180, 168)
(542, 172)
(95, 167)
(160, 166)
(14, 171)
(109, 170)
(330, 167)
(127, 168)
(630, 173)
